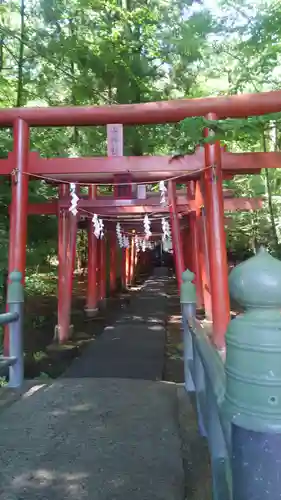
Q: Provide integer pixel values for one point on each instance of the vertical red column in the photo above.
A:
(176, 233)
(132, 259)
(102, 256)
(20, 196)
(123, 267)
(98, 271)
(141, 262)
(204, 259)
(137, 261)
(136, 253)
(183, 243)
(193, 217)
(114, 148)
(12, 226)
(64, 327)
(113, 260)
(216, 239)
(193, 221)
(62, 251)
(186, 244)
(10, 258)
(128, 262)
(203, 249)
(92, 290)
(19, 205)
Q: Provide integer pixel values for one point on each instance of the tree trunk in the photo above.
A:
(19, 99)
(73, 97)
(269, 198)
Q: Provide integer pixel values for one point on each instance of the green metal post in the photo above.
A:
(188, 306)
(15, 300)
(188, 289)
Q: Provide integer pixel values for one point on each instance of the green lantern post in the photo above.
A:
(188, 305)
(253, 379)
(188, 293)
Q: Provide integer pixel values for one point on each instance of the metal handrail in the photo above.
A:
(211, 360)
(205, 375)
(239, 399)
(5, 319)
(8, 317)
(5, 362)
(14, 318)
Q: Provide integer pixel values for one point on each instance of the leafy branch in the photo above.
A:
(229, 129)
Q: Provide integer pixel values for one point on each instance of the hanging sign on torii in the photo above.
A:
(115, 139)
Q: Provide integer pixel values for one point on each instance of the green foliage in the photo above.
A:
(41, 283)
(39, 355)
(91, 52)
(84, 52)
(227, 131)
(44, 377)
(3, 382)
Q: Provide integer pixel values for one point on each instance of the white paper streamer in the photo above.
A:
(146, 223)
(163, 192)
(98, 226)
(73, 199)
(119, 235)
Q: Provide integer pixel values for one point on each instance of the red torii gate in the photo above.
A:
(205, 187)
(109, 206)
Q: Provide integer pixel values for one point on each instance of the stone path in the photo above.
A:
(135, 346)
(100, 438)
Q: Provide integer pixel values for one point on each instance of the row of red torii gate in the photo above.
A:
(130, 217)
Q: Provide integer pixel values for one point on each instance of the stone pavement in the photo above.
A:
(94, 439)
(100, 438)
(135, 346)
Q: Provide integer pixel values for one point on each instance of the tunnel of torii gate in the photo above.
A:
(196, 214)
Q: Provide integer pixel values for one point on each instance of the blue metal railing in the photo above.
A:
(14, 318)
(205, 375)
(239, 398)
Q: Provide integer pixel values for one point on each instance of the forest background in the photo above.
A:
(80, 52)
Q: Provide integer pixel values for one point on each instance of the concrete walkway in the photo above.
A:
(100, 438)
(135, 346)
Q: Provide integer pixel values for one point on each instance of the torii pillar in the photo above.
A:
(19, 206)
(214, 203)
(123, 268)
(63, 219)
(193, 218)
(128, 262)
(92, 289)
(115, 144)
(113, 260)
(67, 238)
(186, 244)
(102, 269)
(176, 232)
(132, 259)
